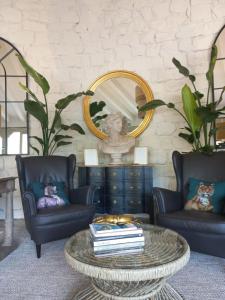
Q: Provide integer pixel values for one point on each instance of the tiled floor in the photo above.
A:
(20, 234)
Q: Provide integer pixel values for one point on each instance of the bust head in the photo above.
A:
(113, 123)
(117, 142)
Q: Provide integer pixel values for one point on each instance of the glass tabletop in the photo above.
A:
(162, 246)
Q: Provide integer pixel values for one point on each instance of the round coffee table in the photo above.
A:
(133, 276)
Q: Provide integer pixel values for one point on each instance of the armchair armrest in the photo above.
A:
(83, 195)
(166, 201)
(29, 204)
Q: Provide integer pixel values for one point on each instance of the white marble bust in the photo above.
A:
(116, 143)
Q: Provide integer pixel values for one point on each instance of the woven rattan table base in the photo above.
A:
(90, 293)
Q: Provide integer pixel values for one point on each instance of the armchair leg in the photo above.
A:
(38, 250)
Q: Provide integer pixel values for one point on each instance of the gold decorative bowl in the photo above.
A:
(116, 219)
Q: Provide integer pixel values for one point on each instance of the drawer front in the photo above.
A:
(96, 173)
(114, 204)
(99, 202)
(134, 205)
(95, 181)
(134, 188)
(134, 173)
(114, 173)
(114, 188)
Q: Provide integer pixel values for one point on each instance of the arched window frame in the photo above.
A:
(6, 76)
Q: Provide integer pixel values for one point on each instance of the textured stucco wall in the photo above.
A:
(72, 42)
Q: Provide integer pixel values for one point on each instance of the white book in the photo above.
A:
(107, 230)
(118, 241)
(119, 246)
(119, 252)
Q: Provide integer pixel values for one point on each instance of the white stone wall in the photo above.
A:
(72, 42)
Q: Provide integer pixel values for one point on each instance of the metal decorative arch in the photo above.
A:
(14, 120)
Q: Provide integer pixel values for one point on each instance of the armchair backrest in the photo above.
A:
(197, 165)
(45, 169)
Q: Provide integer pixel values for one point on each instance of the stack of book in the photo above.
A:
(116, 239)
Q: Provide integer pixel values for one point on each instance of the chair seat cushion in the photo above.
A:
(63, 214)
(193, 221)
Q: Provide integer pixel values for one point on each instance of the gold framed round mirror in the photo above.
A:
(118, 91)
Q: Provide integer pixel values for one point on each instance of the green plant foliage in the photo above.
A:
(152, 105)
(199, 113)
(190, 106)
(52, 130)
(95, 108)
(38, 78)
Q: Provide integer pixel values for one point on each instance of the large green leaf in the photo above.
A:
(99, 118)
(192, 78)
(213, 58)
(207, 115)
(96, 107)
(38, 78)
(198, 95)
(29, 92)
(62, 143)
(190, 106)
(152, 105)
(60, 137)
(64, 102)
(35, 149)
(37, 111)
(56, 123)
(40, 140)
(187, 137)
(77, 128)
(183, 70)
(65, 127)
(73, 126)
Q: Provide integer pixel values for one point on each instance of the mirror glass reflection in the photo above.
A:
(120, 95)
(219, 83)
(13, 117)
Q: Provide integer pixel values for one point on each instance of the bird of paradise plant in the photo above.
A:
(199, 112)
(52, 129)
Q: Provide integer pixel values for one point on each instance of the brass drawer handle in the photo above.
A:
(114, 201)
(114, 173)
(131, 187)
(114, 187)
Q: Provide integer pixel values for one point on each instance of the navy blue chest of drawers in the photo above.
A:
(121, 189)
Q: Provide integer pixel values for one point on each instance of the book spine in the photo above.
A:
(118, 246)
(113, 229)
(119, 233)
(119, 241)
(107, 238)
(112, 253)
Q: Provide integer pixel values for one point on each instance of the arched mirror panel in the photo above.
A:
(13, 117)
(218, 84)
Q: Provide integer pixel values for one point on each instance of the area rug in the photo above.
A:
(24, 277)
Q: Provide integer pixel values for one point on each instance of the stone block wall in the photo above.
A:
(72, 42)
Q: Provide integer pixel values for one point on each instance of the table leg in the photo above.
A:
(8, 219)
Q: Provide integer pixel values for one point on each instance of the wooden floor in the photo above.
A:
(20, 234)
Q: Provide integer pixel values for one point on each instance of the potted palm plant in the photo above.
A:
(199, 112)
(53, 129)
